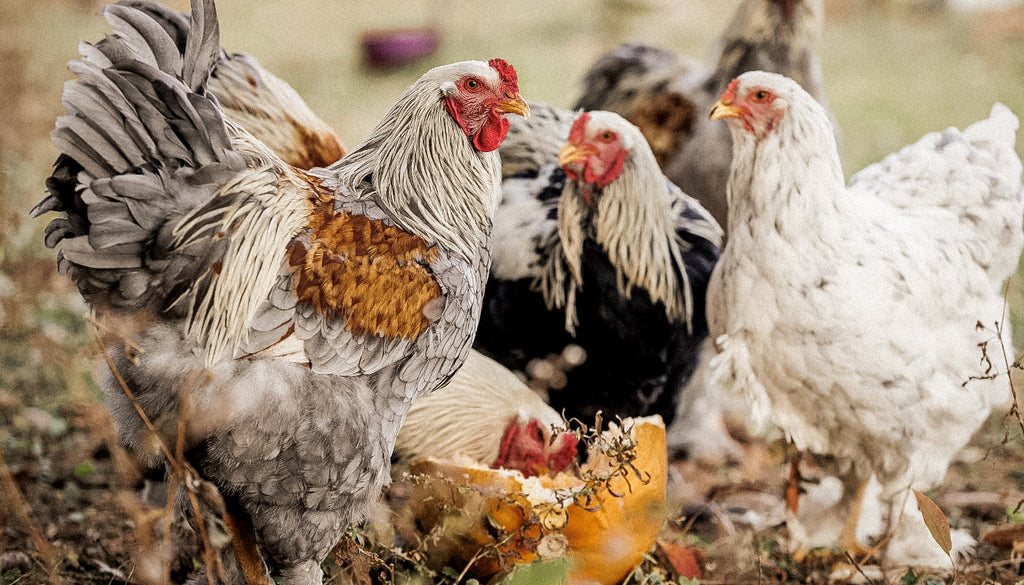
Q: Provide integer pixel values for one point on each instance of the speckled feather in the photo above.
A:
(192, 239)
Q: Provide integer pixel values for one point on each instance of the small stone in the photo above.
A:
(15, 560)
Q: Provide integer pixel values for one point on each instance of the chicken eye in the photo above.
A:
(472, 84)
(607, 136)
(761, 95)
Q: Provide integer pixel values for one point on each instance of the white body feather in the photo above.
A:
(853, 316)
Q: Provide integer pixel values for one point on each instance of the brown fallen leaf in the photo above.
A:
(1005, 536)
(686, 561)
(935, 520)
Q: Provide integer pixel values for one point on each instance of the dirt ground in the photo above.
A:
(77, 511)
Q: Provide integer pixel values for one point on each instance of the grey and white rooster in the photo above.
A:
(594, 246)
(855, 317)
(286, 318)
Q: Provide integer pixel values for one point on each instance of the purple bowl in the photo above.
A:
(398, 47)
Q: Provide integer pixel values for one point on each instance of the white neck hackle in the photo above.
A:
(633, 223)
(775, 175)
(425, 170)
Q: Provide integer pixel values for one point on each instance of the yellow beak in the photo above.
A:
(515, 104)
(720, 110)
(572, 153)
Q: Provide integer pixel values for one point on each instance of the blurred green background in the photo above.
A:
(894, 69)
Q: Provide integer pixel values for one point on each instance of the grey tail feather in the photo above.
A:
(141, 147)
(203, 45)
(173, 22)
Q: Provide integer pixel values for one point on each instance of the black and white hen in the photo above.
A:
(594, 246)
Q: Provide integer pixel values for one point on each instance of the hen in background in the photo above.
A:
(285, 319)
(594, 247)
(668, 96)
(487, 414)
(257, 100)
(866, 321)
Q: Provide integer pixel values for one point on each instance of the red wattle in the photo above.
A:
(492, 133)
(453, 111)
(610, 175)
(507, 439)
(561, 460)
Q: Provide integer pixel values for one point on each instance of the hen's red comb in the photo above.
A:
(729, 96)
(578, 128)
(506, 72)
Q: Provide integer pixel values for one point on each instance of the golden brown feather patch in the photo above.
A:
(665, 120)
(372, 275)
(314, 148)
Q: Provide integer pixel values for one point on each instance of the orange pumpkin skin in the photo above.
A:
(603, 537)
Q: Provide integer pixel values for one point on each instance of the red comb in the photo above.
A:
(729, 96)
(506, 72)
(578, 128)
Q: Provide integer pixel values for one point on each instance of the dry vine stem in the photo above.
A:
(1015, 407)
(19, 509)
(181, 471)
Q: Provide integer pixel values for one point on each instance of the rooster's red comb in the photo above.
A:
(579, 128)
(729, 96)
(506, 72)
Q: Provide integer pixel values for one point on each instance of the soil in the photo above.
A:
(76, 509)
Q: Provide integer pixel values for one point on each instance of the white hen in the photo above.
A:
(854, 317)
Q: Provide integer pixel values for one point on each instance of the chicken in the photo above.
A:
(593, 246)
(257, 100)
(866, 321)
(667, 96)
(492, 417)
(286, 319)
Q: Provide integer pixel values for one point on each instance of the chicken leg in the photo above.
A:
(848, 537)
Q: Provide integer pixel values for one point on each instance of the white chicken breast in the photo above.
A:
(855, 317)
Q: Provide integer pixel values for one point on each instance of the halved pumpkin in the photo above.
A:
(603, 519)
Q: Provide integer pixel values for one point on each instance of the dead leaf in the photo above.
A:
(684, 560)
(935, 520)
(1005, 536)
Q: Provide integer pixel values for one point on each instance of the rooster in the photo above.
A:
(482, 395)
(463, 419)
(286, 318)
(593, 246)
(667, 96)
(865, 320)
